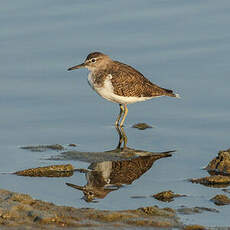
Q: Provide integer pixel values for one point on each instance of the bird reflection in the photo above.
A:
(107, 176)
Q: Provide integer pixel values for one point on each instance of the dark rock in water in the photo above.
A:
(220, 164)
(48, 171)
(213, 181)
(166, 196)
(142, 126)
(220, 199)
(188, 211)
(43, 148)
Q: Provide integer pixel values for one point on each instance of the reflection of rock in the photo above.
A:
(166, 196)
(220, 199)
(217, 181)
(48, 171)
(220, 164)
(107, 176)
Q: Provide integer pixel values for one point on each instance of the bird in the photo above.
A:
(119, 83)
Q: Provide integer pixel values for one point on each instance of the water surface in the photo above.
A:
(182, 45)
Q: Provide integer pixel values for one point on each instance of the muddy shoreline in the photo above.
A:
(21, 210)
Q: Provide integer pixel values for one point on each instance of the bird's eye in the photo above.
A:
(93, 60)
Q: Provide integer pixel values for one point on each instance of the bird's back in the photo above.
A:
(129, 82)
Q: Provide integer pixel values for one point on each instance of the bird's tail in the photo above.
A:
(177, 95)
(170, 93)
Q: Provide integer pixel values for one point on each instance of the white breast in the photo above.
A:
(107, 92)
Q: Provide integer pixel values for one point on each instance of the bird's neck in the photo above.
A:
(100, 69)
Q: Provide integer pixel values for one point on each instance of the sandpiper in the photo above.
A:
(119, 83)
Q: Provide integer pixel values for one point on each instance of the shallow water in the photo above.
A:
(183, 45)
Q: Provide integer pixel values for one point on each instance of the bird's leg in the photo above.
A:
(124, 137)
(120, 114)
(125, 114)
(120, 138)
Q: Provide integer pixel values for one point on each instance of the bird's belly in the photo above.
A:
(107, 92)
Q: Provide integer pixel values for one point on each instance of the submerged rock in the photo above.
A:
(220, 164)
(166, 196)
(189, 211)
(138, 197)
(212, 181)
(226, 190)
(142, 126)
(48, 171)
(220, 199)
(43, 148)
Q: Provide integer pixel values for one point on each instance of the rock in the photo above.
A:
(220, 199)
(166, 196)
(221, 163)
(48, 171)
(142, 126)
(213, 181)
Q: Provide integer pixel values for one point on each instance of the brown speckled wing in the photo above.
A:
(129, 82)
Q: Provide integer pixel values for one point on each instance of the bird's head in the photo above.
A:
(94, 61)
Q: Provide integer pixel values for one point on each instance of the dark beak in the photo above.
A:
(77, 67)
(75, 186)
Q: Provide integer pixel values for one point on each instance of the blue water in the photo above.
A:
(182, 45)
